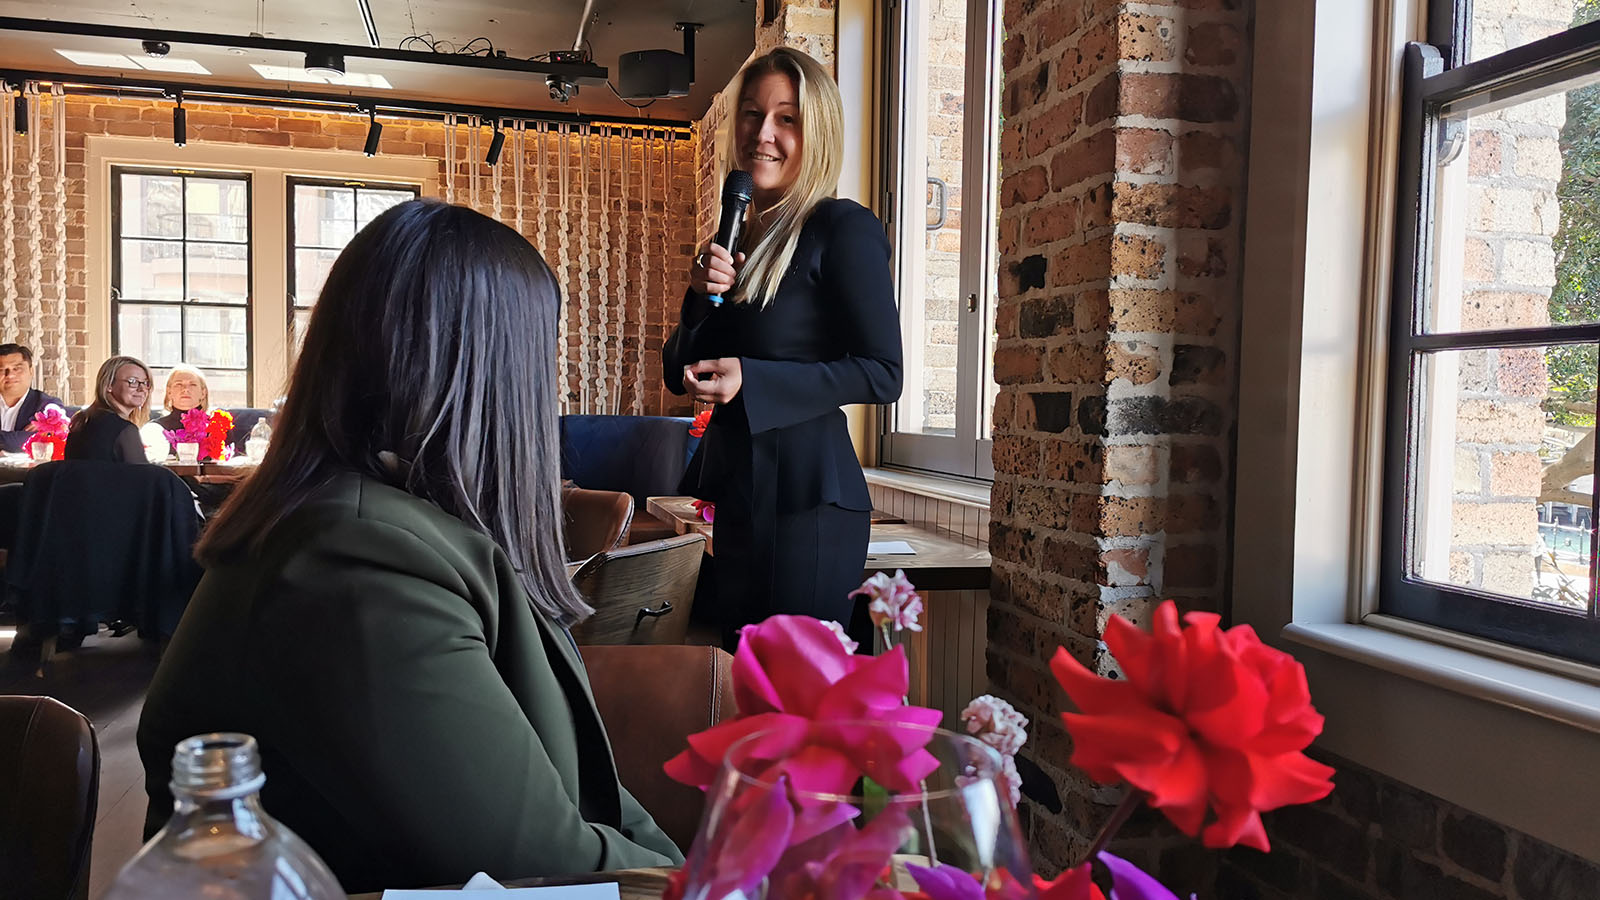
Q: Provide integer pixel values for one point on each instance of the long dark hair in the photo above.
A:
(429, 363)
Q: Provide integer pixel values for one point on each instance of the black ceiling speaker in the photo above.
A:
(652, 73)
(658, 73)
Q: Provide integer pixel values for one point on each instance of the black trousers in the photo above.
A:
(814, 562)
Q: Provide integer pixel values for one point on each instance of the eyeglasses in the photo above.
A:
(136, 383)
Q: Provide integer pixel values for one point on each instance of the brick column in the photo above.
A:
(1122, 181)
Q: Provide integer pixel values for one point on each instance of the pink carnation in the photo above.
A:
(996, 723)
(894, 601)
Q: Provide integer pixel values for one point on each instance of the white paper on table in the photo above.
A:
(606, 891)
(888, 548)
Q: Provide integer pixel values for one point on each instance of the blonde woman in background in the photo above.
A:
(809, 325)
(108, 428)
(186, 390)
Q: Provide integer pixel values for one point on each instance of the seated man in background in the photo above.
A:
(19, 400)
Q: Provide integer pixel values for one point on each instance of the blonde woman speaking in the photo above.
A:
(809, 325)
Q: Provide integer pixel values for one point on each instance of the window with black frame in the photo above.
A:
(1489, 508)
(180, 284)
(323, 216)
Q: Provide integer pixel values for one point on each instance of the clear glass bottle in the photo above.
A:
(219, 843)
(255, 447)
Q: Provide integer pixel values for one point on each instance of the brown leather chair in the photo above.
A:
(50, 782)
(651, 699)
(641, 593)
(594, 521)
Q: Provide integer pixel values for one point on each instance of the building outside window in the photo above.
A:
(323, 216)
(941, 204)
(181, 274)
(1489, 473)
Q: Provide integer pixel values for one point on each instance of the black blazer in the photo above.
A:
(830, 337)
(12, 441)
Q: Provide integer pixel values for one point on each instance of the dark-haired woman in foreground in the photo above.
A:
(385, 600)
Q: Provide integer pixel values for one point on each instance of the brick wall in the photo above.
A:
(1377, 839)
(665, 215)
(1121, 187)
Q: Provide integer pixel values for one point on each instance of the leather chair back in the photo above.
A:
(651, 699)
(641, 593)
(594, 521)
(50, 782)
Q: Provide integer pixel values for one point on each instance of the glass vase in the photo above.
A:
(849, 810)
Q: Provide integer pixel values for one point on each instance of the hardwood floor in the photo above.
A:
(106, 681)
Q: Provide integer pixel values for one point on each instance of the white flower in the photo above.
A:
(839, 632)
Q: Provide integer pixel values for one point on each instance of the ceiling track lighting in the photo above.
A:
(374, 132)
(496, 144)
(180, 122)
(325, 63)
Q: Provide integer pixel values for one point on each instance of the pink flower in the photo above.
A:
(791, 673)
(844, 638)
(894, 601)
(996, 723)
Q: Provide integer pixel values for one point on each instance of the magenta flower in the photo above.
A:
(1129, 882)
(790, 675)
(894, 601)
(946, 882)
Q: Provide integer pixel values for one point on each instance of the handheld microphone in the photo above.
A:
(735, 199)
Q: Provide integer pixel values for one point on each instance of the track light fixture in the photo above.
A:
(21, 117)
(496, 144)
(180, 130)
(374, 132)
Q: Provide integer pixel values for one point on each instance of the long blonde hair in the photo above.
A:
(102, 389)
(186, 369)
(821, 116)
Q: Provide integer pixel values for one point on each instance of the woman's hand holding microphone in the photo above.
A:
(713, 274)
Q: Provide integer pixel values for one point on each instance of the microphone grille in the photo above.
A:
(739, 182)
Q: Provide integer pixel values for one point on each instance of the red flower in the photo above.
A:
(1073, 884)
(1205, 719)
(697, 428)
(707, 511)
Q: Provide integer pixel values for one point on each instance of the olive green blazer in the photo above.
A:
(418, 720)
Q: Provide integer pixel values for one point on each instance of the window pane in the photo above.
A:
(310, 271)
(228, 389)
(929, 276)
(151, 333)
(219, 273)
(152, 205)
(302, 318)
(323, 216)
(369, 203)
(151, 270)
(1517, 217)
(216, 338)
(218, 210)
(1499, 25)
(1504, 471)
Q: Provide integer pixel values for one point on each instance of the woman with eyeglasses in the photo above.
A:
(108, 428)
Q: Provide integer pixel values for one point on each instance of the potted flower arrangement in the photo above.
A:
(1206, 725)
(207, 431)
(50, 427)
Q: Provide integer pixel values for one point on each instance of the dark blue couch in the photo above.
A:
(639, 455)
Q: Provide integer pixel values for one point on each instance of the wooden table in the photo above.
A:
(14, 468)
(943, 561)
(634, 884)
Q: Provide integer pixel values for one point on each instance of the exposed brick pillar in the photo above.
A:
(1121, 194)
